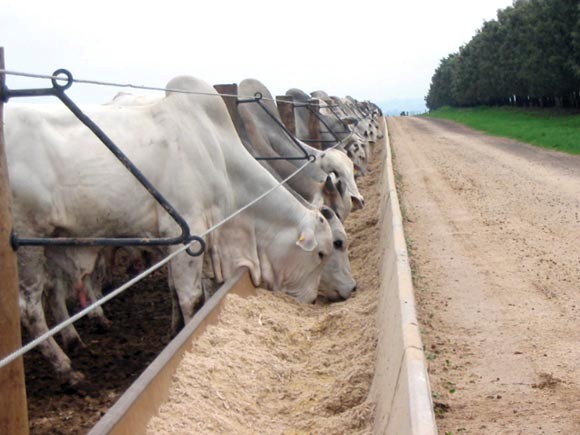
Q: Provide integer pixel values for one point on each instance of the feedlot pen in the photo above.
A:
(269, 365)
(262, 363)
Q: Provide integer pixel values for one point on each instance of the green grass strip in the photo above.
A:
(546, 128)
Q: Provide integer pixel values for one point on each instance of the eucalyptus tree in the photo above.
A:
(440, 92)
(530, 55)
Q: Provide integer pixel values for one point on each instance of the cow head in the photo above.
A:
(337, 162)
(356, 151)
(337, 282)
(335, 197)
(293, 260)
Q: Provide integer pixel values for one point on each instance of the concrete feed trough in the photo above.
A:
(399, 398)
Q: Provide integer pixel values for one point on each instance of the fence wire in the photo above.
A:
(32, 344)
(55, 330)
(121, 85)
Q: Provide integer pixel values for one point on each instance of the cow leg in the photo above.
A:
(211, 273)
(102, 321)
(56, 298)
(176, 316)
(86, 269)
(94, 284)
(185, 284)
(35, 323)
(32, 282)
(210, 287)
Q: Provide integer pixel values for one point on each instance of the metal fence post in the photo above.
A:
(285, 105)
(13, 409)
(230, 96)
(314, 124)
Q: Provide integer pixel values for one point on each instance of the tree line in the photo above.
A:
(528, 56)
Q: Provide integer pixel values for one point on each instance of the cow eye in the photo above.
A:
(338, 244)
(321, 255)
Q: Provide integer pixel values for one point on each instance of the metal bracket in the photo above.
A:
(185, 237)
(258, 100)
(311, 110)
(346, 129)
(336, 140)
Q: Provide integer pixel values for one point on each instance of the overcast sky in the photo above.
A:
(375, 50)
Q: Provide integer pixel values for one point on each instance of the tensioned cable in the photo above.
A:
(120, 85)
(32, 344)
(11, 357)
(131, 86)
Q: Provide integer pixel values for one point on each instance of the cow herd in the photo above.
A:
(201, 155)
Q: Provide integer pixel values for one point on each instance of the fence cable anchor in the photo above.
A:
(258, 100)
(58, 91)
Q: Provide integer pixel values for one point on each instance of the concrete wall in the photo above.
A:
(401, 384)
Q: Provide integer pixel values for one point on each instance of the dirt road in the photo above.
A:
(493, 228)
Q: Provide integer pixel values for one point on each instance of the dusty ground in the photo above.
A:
(493, 228)
(111, 361)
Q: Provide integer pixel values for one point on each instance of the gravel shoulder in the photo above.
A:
(493, 228)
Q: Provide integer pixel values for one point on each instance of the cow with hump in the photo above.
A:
(66, 183)
(336, 127)
(267, 139)
(313, 186)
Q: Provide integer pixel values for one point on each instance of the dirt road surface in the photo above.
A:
(493, 228)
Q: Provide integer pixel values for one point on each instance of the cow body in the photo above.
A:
(340, 127)
(269, 140)
(66, 183)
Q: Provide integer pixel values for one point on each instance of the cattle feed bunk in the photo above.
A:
(399, 398)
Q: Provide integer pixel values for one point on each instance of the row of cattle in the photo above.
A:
(200, 154)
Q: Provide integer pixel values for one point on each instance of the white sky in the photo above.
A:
(375, 50)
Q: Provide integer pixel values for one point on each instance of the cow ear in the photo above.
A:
(357, 203)
(327, 213)
(306, 240)
(329, 185)
(340, 187)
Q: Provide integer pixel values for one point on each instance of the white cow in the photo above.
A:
(266, 137)
(65, 182)
(340, 127)
(349, 130)
(337, 162)
(356, 146)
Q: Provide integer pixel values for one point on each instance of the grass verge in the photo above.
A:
(547, 128)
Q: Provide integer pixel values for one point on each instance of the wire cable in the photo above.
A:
(55, 330)
(119, 85)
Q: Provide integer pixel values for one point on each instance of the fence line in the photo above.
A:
(122, 85)
(55, 330)
(128, 85)
(32, 344)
